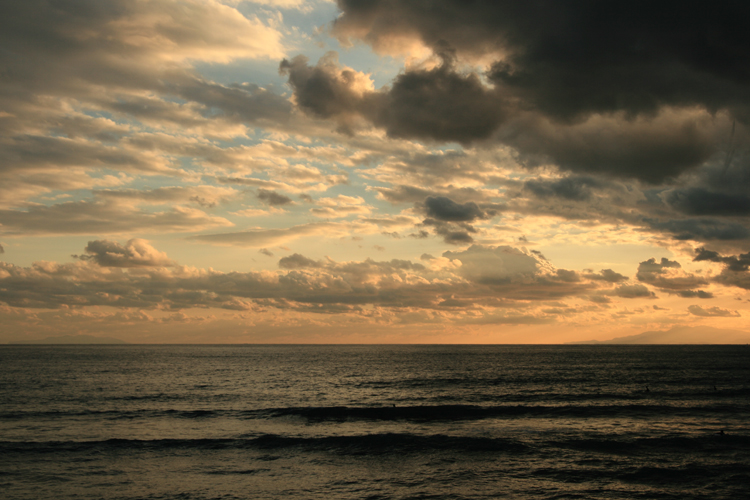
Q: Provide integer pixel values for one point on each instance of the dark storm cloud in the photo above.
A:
(324, 90)
(273, 198)
(454, 237)
(733, 279)
(630, 89)
(445, 105)
(731, 175)
(570, 188)
(449, 219)
(436, 104)
(736, 271)
(573, 58)
(700, 201)
(701, 229)
(445, 209)
(651, 149)
(738, 264)
(454, 233)
(440, 104)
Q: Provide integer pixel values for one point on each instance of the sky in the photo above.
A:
(274, 171)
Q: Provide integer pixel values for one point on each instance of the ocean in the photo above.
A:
(374, 422)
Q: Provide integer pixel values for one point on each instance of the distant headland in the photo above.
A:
(680, 335)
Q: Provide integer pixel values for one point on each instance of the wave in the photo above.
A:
(421, 413)
(167, 397)
(733, 477)
(476, 412)
(679, 384)
(660, 445)
(380, 443)
(122, 414)
(354, 445)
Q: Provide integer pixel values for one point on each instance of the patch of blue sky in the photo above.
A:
(305, 32)
(300, 32)
(382, 69)
(309, 13)
(264, 73)
(448, 147)
(103, 113)
(56, 197)
(140, 183)
(354, 189)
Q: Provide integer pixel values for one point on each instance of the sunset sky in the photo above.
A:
(373, 171)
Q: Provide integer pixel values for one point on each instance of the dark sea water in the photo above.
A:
(374, 422)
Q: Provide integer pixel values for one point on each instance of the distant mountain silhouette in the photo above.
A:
(680, 335)
(73, 339)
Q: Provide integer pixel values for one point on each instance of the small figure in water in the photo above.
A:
(721, 432)
(647, 389)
